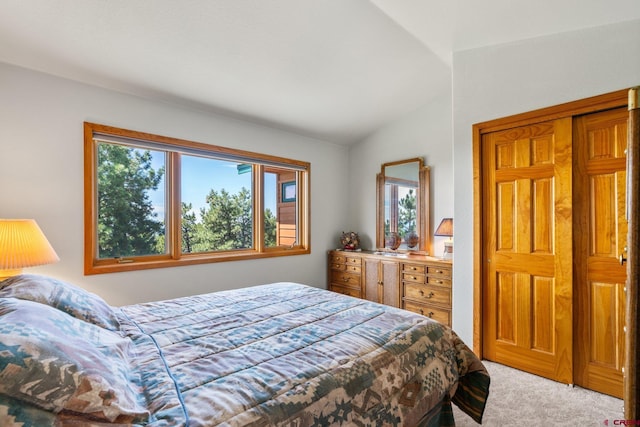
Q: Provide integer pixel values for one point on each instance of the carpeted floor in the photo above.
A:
(519, 398)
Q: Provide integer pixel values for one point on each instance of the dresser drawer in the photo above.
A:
(413, 277)
(353, 268)
(438, 314)
(338, 259)
(352, 292)
(353, 260)
(413, 268)
(439, 271)
(440, 281)
(346, 263)
(344, 278)
(337, 266)
(427, 294)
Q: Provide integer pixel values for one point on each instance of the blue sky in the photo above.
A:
(200, 175)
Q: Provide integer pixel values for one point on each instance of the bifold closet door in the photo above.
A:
(600, 239)
(527, 224)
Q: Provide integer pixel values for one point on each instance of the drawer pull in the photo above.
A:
(439, 271)
(439, 282)
(429, 314)
(431, 294)
(414, 268)
(345, 279)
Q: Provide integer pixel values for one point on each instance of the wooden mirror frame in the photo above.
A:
(422, 205)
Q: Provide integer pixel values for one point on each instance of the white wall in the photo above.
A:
(424, 133)
(499, 81)
(41, 177)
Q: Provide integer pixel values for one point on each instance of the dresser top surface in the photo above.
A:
(399, 256)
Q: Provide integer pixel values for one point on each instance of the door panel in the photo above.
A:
(391, 283)
(372, 280)
(527, 286)
(382, 281)
(599, 203)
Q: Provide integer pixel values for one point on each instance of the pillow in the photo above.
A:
(62, 364)
(61, 295)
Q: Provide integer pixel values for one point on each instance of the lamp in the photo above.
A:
(446, 229)
(22, 244)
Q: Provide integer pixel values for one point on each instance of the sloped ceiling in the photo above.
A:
(336, 70)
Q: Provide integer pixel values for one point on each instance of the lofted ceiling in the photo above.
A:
(336, 70)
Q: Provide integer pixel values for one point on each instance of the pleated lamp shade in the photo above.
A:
(445, 228)
(23, 244)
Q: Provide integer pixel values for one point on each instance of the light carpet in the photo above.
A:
(520, 398)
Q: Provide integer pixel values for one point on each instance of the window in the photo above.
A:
(154, 201)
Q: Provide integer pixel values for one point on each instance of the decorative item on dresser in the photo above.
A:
(417, 283)
(412, 239)
(392, 240)
(350, 240)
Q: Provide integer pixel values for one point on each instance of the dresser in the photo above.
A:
(417, 283)
(345, 273)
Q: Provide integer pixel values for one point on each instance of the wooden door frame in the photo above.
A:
(632, 373)
(585, 106)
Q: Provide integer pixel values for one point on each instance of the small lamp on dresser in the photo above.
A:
(446, 229)
(23, 244)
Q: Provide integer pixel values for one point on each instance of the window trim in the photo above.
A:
(174, 146)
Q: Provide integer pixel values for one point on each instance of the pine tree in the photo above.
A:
(407, 213)
(189, 228)
(270, 225)
(227, 221)
(127, 223)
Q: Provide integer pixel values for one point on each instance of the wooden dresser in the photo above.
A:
(417, 283)
(345, 273)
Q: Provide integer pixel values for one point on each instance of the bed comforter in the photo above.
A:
(282, 354)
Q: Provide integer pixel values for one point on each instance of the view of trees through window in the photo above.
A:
(407, 213)
(154, 201)
(217, 203)
(406, 209)
(127, 222)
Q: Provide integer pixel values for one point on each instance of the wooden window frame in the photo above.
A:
(175, 257)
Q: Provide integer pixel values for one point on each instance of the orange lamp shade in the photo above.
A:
(23, 244)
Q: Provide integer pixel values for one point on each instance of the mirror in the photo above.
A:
(403, 205)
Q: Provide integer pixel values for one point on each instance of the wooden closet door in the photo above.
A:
(527, 282)
(600, 141)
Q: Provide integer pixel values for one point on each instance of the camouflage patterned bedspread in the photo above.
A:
(286, 355)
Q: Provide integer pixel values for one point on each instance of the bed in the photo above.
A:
(281, 354)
